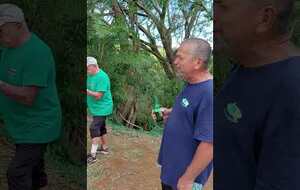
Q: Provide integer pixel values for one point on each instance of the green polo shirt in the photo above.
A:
(31, 64)
(99, 83)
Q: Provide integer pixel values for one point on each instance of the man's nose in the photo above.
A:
(175, 62)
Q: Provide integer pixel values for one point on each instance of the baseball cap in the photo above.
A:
(10, 13)
(91, 61)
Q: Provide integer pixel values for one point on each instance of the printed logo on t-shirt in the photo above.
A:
(184, 102)
(197, 186)
(233, 112)
(12, 72)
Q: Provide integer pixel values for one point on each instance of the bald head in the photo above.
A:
(199, 48)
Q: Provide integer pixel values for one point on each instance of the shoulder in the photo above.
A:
(290, 76)
(202, 93)
(39, 47)
(287, 90)
(205, 89)
(103, 75)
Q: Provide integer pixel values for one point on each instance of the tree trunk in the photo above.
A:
(119, 20)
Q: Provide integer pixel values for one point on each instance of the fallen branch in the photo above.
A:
(128, 122)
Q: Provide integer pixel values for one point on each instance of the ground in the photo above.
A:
(131, 164)
(57, 178)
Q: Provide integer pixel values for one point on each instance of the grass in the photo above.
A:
(71, 173)
(62, 173)
(116, 127)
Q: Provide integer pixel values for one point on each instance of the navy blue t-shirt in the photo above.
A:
(257, 128)
(190, 122)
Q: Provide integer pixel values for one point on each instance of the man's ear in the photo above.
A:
(199, 63)
(266, 19)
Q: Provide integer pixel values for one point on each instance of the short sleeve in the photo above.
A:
(102, 84)
(37, 69)
(204, 119)
(279, 156)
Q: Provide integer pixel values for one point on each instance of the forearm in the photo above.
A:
(20, 94)
(90, 93)
(202, 158)
(97, 95)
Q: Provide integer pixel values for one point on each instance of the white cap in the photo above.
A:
(91, 61)
(10, 13)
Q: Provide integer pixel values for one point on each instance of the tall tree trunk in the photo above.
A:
(133, 26)
(119, 20)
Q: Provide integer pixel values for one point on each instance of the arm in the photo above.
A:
(97, 95)
(24, 95)
(203, 132)
(201, 159)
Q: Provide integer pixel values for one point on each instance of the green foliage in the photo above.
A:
(135, 76)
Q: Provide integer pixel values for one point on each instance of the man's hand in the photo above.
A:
(185, 183)
(153, 115)
(22, 94)
(166, 112)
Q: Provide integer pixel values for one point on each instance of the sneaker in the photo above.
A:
(91, 159)
(102, 151)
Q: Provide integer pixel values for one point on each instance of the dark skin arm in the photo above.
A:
(24, 95)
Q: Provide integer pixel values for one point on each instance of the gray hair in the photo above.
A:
(200, 48)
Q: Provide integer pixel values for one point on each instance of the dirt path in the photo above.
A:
(131, 164)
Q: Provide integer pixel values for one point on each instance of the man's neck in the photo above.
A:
(23, 38)
(97, 71)
(268, 52)
(200, 77)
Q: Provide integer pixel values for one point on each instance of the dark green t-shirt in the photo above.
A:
(31, 64)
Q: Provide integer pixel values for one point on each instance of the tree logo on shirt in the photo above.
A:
(185, 103)
(233, 112)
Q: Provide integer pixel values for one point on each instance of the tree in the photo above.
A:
(153, 25)
(134, 40)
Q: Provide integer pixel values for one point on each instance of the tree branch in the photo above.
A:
(150, 15)
(164, 10)
(156, 7)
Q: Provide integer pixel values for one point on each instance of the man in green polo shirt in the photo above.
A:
(100, 105)
(28, 97)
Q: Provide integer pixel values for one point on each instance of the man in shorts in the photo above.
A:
(100, 105)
